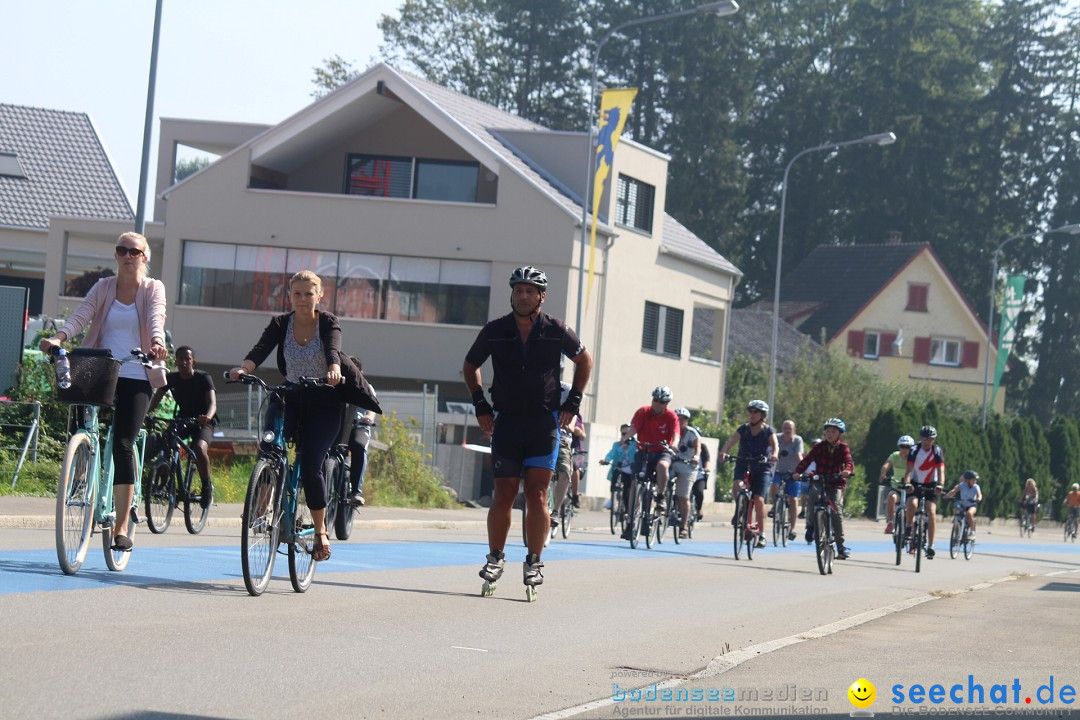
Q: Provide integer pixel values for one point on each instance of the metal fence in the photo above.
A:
(238, 413)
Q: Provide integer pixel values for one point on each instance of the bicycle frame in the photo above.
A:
(824, 509)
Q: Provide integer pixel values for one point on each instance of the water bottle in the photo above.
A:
(63, 369)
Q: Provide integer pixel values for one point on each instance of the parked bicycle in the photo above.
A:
(84, 493)
(824, 510)
(960, 539)
(340, 513)
(275, 508)
(173, 478)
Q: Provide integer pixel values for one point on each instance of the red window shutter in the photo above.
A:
(856, 340)
(917, 296)
(922, 350)
(887, 340)
(970, 357)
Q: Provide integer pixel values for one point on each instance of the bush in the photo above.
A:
(400, 475)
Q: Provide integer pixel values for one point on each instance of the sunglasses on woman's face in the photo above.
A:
(123, 250)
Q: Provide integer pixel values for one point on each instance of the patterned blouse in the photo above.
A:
(303, 360)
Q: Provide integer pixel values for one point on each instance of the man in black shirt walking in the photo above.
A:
(526, 347)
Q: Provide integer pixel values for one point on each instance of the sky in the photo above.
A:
(235, 60)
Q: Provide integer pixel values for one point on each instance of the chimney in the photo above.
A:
(893, 237)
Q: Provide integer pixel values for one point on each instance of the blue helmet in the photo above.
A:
(836, 423)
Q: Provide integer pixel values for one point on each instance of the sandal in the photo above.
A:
(321, 549)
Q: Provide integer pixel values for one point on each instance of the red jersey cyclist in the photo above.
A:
(654, 425)
(925, 475)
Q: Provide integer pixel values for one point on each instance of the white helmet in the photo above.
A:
(905, 441)
(661, 393)
(759, 405)
(682, 412)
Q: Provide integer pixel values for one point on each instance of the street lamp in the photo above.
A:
(719, 9)
(1064, 229)
(886, 138)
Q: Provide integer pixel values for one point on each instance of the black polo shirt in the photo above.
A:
(526, 376)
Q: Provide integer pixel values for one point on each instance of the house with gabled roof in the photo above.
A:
(414, 203)
(894, 307)
(53, 164)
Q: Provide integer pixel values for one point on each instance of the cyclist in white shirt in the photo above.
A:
(969, 495)
(685, 465)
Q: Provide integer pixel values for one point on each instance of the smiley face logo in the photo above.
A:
(862, 693)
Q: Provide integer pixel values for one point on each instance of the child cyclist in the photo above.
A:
(831, 456)
(968, 495)
(892, 474)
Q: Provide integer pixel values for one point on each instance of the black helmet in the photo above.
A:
(530, 275)
(928, 431)
(661, 393)
(971, 475)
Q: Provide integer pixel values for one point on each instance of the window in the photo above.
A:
(406, 177)
(871, 345)
(944, 352)
(10, 166)
(379, 176)
(355, 285)
(446, 180)
(634, 204)
(662, 332)
(706, 334)
(916, 297)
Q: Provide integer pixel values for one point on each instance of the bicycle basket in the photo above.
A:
(93, 380)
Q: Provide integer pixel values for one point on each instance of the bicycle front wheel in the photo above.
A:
(567, 517)
(898, 533)
(954, 538)
(346, 513)
(160, 497)
(648, 517)
(117, 560)
(194, 491)
(968, 541)
(634, 519)
(616, 508)
(920, 539)
(76, 493)
(821, 542)
(259, 534)
(778, 519)
(301, 545)
(740, 524)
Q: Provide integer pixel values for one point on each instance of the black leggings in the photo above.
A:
(317, 413)
(132, 400)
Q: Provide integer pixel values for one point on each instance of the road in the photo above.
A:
(394, 626)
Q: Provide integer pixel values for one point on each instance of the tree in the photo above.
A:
(189, 166)
(334, 73)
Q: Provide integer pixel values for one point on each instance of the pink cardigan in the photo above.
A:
(149, 304)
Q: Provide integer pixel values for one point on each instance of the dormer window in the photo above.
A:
(634, 204)
(408, 177)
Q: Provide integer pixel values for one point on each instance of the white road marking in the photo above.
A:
(722, 663)
(462, 647)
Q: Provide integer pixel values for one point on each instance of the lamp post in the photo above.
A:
(886, 138)
(1065, 229)
(720, 9)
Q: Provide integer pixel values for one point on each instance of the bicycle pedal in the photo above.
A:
(135, 517)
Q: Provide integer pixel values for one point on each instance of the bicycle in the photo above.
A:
(84, 492)
(275, 507)
(340, 513)
(899, 523)
(1070, 526)
(824, 511)
(616, 513)
(919, 526)
(565, 511)
(1027, 520)
(781, 522)
(640, 518)
(171, 481)
(675, 517)
(744, 533)
(960, 538)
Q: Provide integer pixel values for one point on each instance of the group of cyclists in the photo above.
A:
(533, 419)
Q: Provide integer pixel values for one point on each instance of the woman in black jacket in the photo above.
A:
(308, 343)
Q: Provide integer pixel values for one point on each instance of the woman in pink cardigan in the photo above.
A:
(123, 312)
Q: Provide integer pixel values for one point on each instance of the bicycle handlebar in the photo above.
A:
(249, 379)
(756, 459)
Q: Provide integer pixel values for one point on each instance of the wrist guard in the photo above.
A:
(480, 403)
(573, 402)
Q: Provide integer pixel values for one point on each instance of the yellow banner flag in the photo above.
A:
(614, 109)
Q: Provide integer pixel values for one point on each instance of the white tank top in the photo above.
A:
(120, 333)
